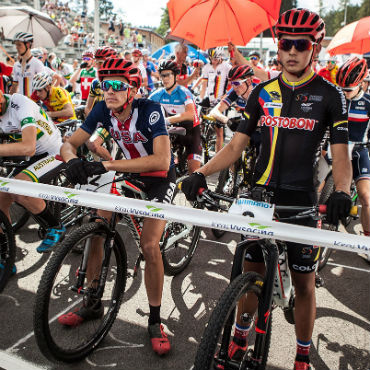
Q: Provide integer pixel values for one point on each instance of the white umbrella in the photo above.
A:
(15, 19)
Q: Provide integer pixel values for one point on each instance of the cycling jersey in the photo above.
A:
(293, 117)
(359, 118)
(25, 76)
(134, 136)
(22, 112)
(86, 78)
(58, 98)
(216, 80)
(232, 97)
(175, 102)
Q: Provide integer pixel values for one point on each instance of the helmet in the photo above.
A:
(56, 63)
(170, 65)
(23, 37)
(240, 72)
(41, 80)
(301, 21)
(254, 53)
(145, 52)
(172, 57)
(216, 53)
(136, 53)
(120, 67)
(88, 54)
(105, 52)
(37, 53)
(352, 72)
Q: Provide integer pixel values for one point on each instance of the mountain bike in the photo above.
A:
(273, 290)
(64, 285)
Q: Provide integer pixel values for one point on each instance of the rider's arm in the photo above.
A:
(69, 148)
(342, 168)
(187, 115)
(89, 104)
(238, 56)
(67, 111)
(25, 147)
(203, 88)
(158, 161)
(217, 111)
(13, 88)
(74, 78)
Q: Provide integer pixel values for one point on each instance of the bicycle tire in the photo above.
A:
(19, 216)
(46, 332)
(7, 251)
(208, 347)
(177, 256)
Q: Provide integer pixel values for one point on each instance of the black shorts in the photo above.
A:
(190, 141)
(360, 163)
(302, 258)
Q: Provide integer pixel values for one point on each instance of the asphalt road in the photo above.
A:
(341, 339)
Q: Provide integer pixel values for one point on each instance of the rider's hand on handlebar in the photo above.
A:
(191, 185)
(94, 168)
(75, 171)
(338, 207)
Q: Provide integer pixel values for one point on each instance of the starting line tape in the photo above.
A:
(222, 221)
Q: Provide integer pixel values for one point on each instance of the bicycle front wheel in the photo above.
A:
(63, 286)
(212, 350)
(179, 241)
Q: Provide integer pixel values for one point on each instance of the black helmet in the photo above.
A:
(169, 65)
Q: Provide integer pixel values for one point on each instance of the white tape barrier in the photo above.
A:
(222, 221)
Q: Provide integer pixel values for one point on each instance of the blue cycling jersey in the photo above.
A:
(358, 118)
(135, 135)
(175, 102)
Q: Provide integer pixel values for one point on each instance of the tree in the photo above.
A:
(165, 23)
(105, 8)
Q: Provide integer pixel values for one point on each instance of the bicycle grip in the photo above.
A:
(352, 212)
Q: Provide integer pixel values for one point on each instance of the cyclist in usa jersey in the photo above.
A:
(350, 77)
(138, 126)
(295, 109)
(179, 106)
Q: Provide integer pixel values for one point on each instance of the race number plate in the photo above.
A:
(251, 208)
(99, 183)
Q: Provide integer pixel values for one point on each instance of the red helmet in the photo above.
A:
(240, 72)
(352, 72)
(105, 53)
(120, 67)
(88, 54)
(136, 53)
(301, 21)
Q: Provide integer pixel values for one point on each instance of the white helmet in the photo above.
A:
(37, 53)
(41, 80)
(216, 53)
(23, 37)
(56, 62)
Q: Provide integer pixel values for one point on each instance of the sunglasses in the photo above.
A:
(300, 44)
(86, 58)
(165, 75)
(115, 85)
(331, 62)
(237, 83)
(348, 89)
(253, 58)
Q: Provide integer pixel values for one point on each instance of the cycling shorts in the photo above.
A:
(360, 163)
(42, 168)
(302, 258)
(190, 141)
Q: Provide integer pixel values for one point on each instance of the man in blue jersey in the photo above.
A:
(138, 127)
(179, 106)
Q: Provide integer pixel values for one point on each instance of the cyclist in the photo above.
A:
(138, 127)
(136, 57)
(36, 136)
(294, 110)
(56, 100)
(26, 66)
(365, 83)
(330, 71)
(64, 69)
(57, 79)
(350, 77)
(180, 109)
(214, 85)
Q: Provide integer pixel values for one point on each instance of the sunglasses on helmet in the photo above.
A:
(115, 85)
(237, 83)
(300, 44)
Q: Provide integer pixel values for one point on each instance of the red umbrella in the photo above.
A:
(210, 23)
(352, 38)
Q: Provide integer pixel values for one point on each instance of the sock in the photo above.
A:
(241, 335)
(154, 316)
(46, 219)
(303, 350)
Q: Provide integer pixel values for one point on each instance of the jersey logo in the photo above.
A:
(272, 105)
(127, 137)
(274, 95)
(302, 97)
(289, 122)
(154, 118)
(306, 107)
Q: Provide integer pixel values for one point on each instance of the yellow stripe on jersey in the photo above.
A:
(31, 175)
(339, 123)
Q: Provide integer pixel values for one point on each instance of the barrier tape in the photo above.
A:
(222, 221)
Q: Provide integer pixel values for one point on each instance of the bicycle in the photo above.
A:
(63, 282)
(273, 290)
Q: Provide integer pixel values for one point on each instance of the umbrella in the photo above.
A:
(352, 38)
(210, 23)
(170, 49)
(14, 19)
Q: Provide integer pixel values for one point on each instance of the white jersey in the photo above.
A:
(217, 79)
(24, 76)
(142, 70)
(22, 112)
(67, 71)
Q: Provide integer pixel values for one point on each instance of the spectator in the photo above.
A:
(127, 34)
(127, 55)
(139, 39)
(121, 28)
(111, 28)
(330, 71)
(150, 70)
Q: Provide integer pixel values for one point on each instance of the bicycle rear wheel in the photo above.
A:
(7, 250)
(210, 354)
(62, 288)
(179, 241)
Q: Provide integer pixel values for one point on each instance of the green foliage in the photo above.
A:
(165, 23)
(105, 8)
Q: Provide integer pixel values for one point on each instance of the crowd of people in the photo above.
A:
(284, 109)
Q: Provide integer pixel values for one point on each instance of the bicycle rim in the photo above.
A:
(59, 293)
(218, 333)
